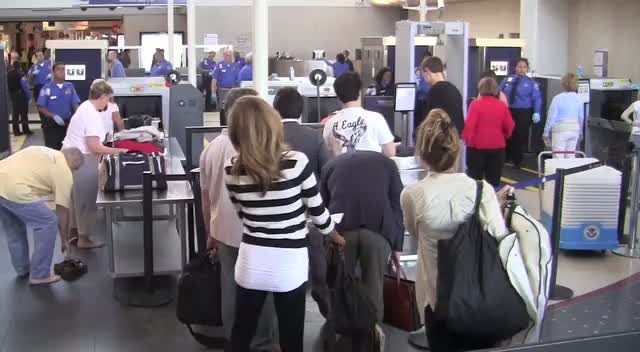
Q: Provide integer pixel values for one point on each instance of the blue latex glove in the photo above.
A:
(536, 117)
(214, 99)
(58, 120)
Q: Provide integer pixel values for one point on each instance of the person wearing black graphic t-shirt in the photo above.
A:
(442, 95)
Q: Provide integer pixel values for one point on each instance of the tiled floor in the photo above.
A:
(83, 316)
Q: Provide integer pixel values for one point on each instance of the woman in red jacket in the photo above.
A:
(488, 127)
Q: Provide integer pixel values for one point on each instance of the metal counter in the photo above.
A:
(123, 214)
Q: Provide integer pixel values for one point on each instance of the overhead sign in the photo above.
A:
(75, 72)
(501, 68)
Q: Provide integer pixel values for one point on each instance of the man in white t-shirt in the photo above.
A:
(354, 128)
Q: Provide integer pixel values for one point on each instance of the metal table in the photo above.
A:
(123, 214)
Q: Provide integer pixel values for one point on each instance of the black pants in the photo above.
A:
(20, 106)
(485, 164)
(53, 134)
(290, 308)
(36, 93)
(318, 268)
(517, 144)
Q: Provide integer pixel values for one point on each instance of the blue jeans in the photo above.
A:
(14, 219)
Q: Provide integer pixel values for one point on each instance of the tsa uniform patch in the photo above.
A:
(67, 91)
(592, 233)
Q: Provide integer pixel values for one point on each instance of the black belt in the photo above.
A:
(276, 243)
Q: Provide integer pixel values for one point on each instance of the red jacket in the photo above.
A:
(488, 125)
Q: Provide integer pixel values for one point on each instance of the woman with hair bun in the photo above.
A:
(437, 205)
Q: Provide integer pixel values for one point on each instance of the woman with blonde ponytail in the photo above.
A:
(437, 205)
(274, 190)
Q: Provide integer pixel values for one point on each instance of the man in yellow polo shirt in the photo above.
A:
(29, 179)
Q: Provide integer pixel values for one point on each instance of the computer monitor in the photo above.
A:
(405, 97)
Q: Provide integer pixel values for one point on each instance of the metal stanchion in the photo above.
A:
(632, 250)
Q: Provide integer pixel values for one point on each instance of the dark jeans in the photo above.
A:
(20, 106)
(265, 333)
(485, 164)
(290, 307)
(370, 252)
(53, 134)
(519, 140)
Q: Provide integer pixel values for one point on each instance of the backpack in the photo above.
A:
(477, 306)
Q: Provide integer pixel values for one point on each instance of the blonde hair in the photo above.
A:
(569, 82)
(437, 141)
(99, 88)
(255, 130)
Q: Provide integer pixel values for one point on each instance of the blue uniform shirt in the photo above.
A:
(207, 64)
(339, 68)
(161, 68)
(41, 73)
(117, 70)
(59, 101)
(527, 93)
(225, 74)
(239, 64)
(245, 74)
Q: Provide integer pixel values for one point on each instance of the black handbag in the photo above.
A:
(199, 297)
(124, 171)
(70, 269)
(477, 306)
(353, 314)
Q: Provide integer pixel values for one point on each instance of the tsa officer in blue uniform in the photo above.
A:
(57, 102)
(161, 66)
(340, 66)
(246, 72)
(40, 74)
(223, 78)
(525, 104)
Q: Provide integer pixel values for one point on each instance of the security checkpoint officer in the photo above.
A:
(20, 96)
(39, 75)
(161, 66)
(525, 104)
(223, 78)
(208, 64)
(57, 102)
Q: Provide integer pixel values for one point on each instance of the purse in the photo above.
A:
(400, 306)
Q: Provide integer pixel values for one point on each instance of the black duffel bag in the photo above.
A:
(477, 306)
(124, 171)
(199, 297)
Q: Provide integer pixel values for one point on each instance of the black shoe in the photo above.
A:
(17, 133)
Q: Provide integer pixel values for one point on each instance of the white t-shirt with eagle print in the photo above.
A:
(356, 129)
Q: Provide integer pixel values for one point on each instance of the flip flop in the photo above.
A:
(48, 280)
(93, 245)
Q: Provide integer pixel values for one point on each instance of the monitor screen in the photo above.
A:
(139, 105)
(405, 97)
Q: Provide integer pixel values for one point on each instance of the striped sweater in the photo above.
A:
(273, 253)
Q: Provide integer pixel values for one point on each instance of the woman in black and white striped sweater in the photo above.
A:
(274, 190)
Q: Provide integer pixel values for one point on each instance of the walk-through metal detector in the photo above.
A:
(454, 36)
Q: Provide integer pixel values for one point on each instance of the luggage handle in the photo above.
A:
(395, 263)
(125, 163)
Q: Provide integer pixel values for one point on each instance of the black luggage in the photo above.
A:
(477, 306)
(199, 297)
(124, 171)
(70, 269)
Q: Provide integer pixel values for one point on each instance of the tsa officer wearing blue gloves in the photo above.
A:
(161, 66)
(525, 104)
(223, 78)
(57, 102)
